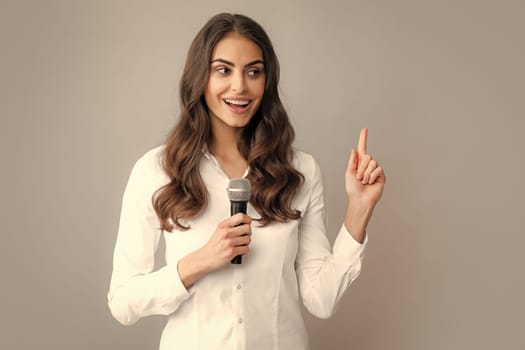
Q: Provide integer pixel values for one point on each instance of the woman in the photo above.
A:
(232, 124)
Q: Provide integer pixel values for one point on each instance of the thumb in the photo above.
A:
(352, 162)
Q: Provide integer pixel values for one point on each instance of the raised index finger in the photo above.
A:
(361, 146)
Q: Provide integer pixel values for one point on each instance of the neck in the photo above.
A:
(224, 146)
(224, 140)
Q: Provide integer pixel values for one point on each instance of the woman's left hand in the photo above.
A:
(364, 178)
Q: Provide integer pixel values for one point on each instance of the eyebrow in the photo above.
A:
(233, 65)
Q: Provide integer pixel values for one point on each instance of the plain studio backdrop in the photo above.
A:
(87, 87)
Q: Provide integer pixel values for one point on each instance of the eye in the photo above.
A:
(254, 72)
(222, 70)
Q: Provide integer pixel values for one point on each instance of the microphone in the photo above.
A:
(239, 192)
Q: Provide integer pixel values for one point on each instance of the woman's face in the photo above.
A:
(236, 84)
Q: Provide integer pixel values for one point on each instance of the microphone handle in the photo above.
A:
(237, 207)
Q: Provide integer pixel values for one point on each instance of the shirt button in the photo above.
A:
(239, 286)
(240, 320)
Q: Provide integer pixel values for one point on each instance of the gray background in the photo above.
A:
(87, 87)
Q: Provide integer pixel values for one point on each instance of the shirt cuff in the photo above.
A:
(176, 293)
(346, 248)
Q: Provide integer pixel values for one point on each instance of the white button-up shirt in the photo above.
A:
(255, 305)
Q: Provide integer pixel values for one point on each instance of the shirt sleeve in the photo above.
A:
(324, 273)
(135, 289)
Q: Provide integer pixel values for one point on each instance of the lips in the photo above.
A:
(238, 106)
(237, 102)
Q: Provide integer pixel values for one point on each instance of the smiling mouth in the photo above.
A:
(237, 103)
(237, 106)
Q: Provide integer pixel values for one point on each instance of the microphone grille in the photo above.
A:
(239, 190)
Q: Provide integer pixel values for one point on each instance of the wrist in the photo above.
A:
(360, 204)
(357, 217)
(191, 268)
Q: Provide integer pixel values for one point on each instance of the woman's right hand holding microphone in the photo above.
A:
(231, 238)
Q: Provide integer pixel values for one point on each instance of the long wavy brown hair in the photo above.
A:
(266, 142)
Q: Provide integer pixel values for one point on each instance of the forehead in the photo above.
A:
(237, 49)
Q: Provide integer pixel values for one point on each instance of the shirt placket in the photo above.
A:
(238, 307)
(238, 314)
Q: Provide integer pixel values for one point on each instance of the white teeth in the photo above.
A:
(237, 102)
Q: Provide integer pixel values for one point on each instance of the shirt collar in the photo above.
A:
(216, 163)
(205, 151)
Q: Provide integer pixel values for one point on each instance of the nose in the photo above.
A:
(238, 84)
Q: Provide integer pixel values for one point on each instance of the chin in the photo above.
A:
(238, 123)
(235, 120)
